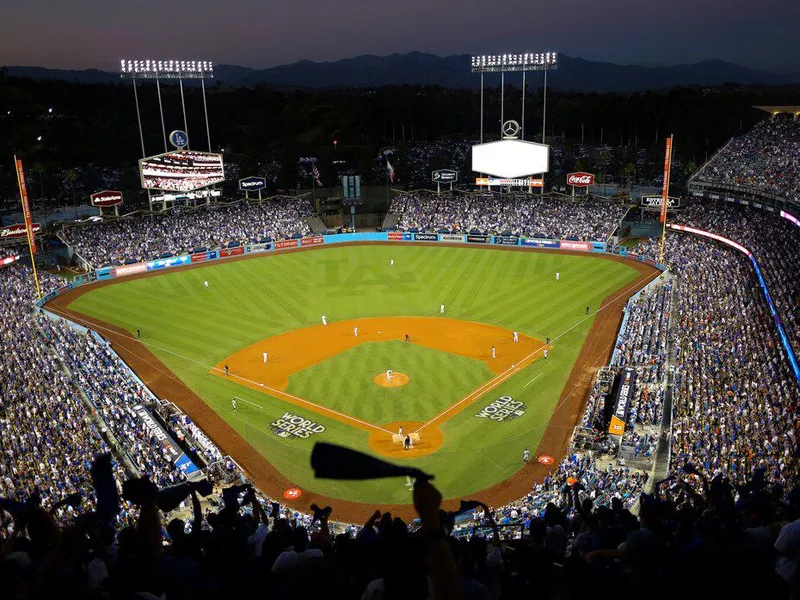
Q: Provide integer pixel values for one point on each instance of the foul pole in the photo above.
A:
(26, 214)
(665, 196)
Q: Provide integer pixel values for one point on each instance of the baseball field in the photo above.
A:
(469, 414)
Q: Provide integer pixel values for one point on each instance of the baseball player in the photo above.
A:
(233, 404)
(545, 353)
(265, 357)
(324, 320)
(407, 443)
(408, 338)
(558, 276)
(516, 336)
(526, 455)
(355, 331)
(388, 374)
(400, 431)
(391, 263)
(494, 352)
(226, 370)
(547, 341)
(138, 334)
(205, 283)
(441, 309)
(587, 310)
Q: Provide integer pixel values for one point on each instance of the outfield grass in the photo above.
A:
(191, 329)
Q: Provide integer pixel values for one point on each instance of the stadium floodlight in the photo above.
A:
(521, 61)
(166, 69)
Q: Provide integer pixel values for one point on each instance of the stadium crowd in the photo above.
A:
(511, 214)
(143, 238)
(727, 517)
(765, 159)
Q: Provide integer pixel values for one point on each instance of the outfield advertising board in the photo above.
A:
(203, 256)
(407, 237)
(539, 242)
(395, 236)
(259, 247)
(451, 237)
(172, 261)
(124, 270)
(506, 240)
(478, 239)
(312, 241)
(426, 237)
(575, 245)
(285, 244)
(237, 251)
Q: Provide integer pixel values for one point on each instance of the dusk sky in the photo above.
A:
(81, 34)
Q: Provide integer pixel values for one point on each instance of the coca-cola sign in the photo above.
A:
(18, 230)
(580, 179)
(106, 198)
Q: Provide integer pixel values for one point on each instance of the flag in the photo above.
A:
(315, 173)
(26, 208)
(665, 188)
(389, 169)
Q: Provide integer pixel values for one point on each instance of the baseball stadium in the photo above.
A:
(508, 380)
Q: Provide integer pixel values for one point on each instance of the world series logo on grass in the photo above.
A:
(504, 409)
(291, 425)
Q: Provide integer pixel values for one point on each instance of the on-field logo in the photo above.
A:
(291, 425)
(504, 409)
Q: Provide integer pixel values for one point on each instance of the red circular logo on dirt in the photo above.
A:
(546, 459)
(292, 493)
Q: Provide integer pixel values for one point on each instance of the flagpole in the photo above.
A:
(665, 195)
(28, 225)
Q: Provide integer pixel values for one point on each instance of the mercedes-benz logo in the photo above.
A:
(510, 129)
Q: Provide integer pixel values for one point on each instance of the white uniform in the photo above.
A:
(558, 275)
(205, 283)
(324, 320)
(233, 404)
(400, 432)
(265, 358)
(388, 374)
(441, 309)
(391, 263)
(494, 353)
(526, 455)
(516, 336)
(355, 331)
(545, 353)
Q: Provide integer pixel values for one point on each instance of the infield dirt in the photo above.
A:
(596, 351)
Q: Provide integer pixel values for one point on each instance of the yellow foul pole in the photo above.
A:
(665, 196)
(26, 214)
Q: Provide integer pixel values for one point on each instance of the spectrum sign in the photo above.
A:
(496, 181)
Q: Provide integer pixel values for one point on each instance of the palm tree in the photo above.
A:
(72, 176)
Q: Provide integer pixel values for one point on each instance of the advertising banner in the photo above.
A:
(539, 242)
(573, 245)
(259, 247)
(497, 181)
(8, 232)
(598, 246)
(426, 237)
(103, 273)
(444, 176)
(506, 240)
(124, 270)
(395, 236)
(8, 260)
(656, 201)
(203, 256)
(237, 251)
(407, 237)
(624, 394)
(249, 184)
(580, 179)
(106, 198)
(285, 244)
(478, 239)
(163, 263)
(174, 452)
(312, 241)
(451, 237)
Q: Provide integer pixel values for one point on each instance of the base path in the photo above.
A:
(595, 353)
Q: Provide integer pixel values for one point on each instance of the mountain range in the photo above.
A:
(421, 69)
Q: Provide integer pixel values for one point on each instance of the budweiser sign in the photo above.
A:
(580, 179)
(17, 231)
(106, 198)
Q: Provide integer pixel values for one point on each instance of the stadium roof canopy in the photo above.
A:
(775, 110)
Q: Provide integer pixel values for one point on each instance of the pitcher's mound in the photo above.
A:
(397, 380)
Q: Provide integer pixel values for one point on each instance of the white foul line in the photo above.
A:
(532, 380)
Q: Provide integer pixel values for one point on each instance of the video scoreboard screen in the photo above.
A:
(181, 171)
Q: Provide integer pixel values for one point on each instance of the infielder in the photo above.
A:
(205, 283)
(526, 455)
(324, 320)
(355, 331)
(265, 357)
(233, 404)
(226, 370)
(388, 374)
(494, 352)
(400, 431)
(558, 276)
(516, 336)
(545, 353)
(587, 310)
(441, 309)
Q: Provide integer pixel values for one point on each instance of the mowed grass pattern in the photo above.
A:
(438, 379)
(191, 329)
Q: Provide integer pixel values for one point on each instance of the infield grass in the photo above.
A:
(191, 329)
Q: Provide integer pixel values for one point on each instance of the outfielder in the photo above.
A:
(558, 276)
(324, 320)
(516, 336)
(391, 263)
(205, 283)
(441, 309)
(233, 404)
